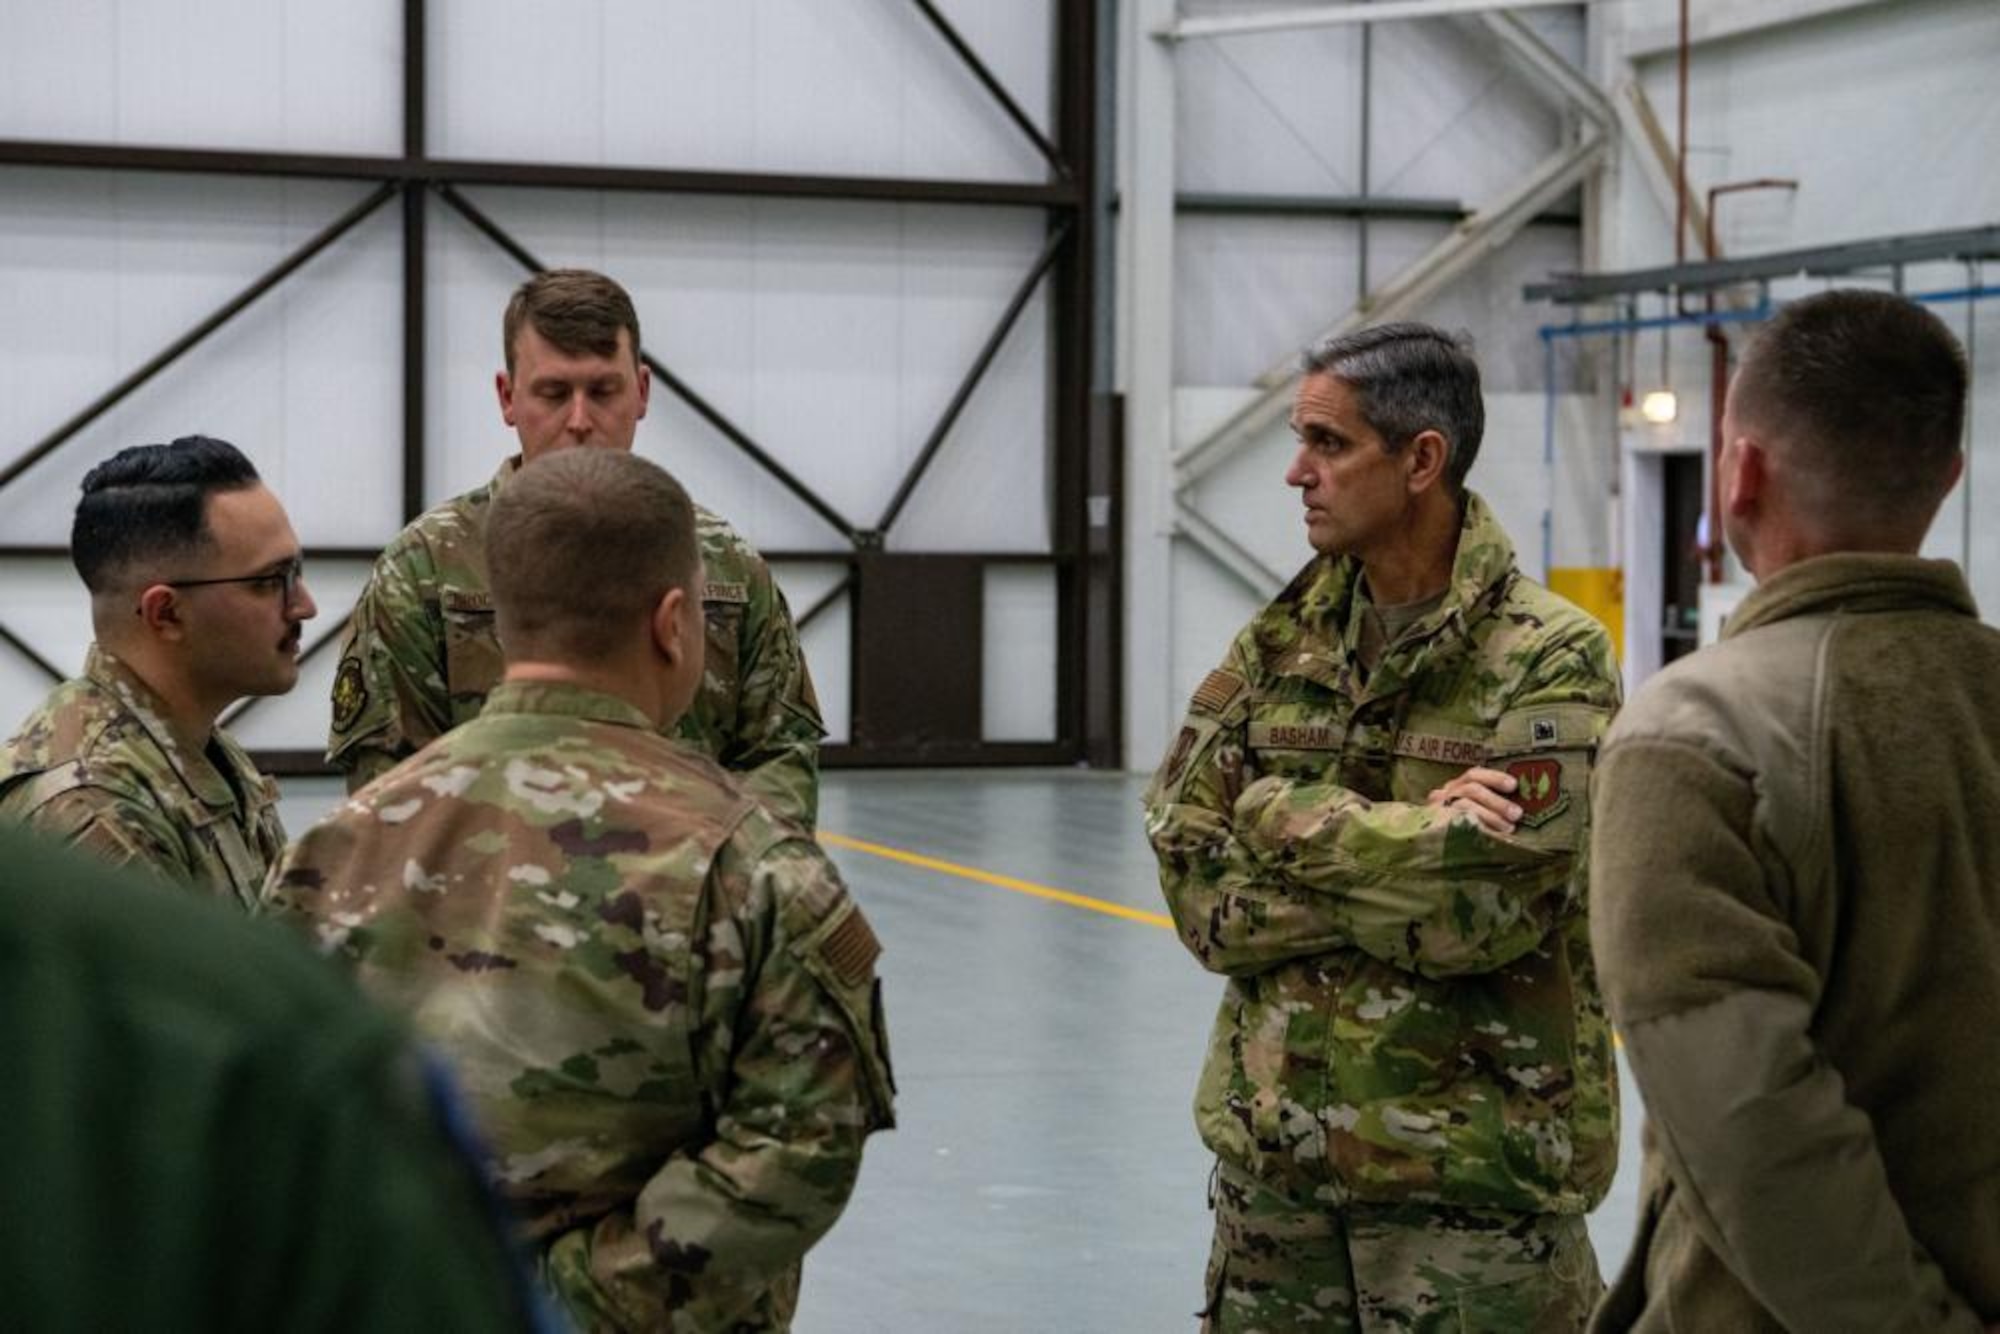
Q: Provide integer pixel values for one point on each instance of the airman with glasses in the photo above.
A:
(198, 598)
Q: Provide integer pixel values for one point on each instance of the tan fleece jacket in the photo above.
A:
(1796, 914)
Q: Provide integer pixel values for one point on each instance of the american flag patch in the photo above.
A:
(851, 949)
(1217, 691)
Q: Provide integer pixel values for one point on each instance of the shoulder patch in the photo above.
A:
(350, 693)
(1218, 691)
(717, 591)
(1539, 790)
(851, 949)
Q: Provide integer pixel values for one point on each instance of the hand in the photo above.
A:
(1481, 796)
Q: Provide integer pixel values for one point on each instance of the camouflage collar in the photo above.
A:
(1853, 581)
(1329, 592)
(139, 700)
(566, 700)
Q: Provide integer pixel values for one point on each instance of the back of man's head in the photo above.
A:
(1861, 395)
(579, 312)
(145, 509)
(1410, 378)
(581, 547)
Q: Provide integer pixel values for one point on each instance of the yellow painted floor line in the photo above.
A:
(1049, 892)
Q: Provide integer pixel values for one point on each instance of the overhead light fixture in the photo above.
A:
(1660, 406)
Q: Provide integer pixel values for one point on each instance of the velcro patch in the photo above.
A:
(714, 591)
(1177, 758)
(466, 599)
(1217, 691)
(350, 694)
(1296, 736)
(1538, 790)
(851, 949)
(1441, 749)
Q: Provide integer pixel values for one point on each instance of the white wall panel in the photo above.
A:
(1253, 291)
(833, 334)
(117, 267)
(769, 85)
(287, 75)
(1018, 673)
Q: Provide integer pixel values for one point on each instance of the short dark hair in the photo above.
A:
(1867, 391)
(581, 544)
(1410, 378)
(148, 504)
(580, 312)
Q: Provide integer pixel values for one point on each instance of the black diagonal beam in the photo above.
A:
(825, 600)
(680, 388)
(117, 394)
(998, 90)
(976, 372)
(26, 650)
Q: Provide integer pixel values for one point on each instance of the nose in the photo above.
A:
(302, 607)
(1300, 474)
(577, 420)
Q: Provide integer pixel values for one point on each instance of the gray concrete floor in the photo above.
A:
(1044, 1173)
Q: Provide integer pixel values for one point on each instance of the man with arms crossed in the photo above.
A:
(421, 653)
(1372, 824)
(657, 995)
(1797, 887)
(196, 600)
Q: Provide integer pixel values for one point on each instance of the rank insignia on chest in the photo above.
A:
(1538, 790)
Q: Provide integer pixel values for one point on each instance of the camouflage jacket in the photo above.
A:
(659, 998)
(1411, 1013)
(421, 654)
(98, 765)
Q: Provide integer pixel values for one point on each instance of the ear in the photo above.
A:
(1746, 474)
(503, 388)
(160, 609)
(668, 636)
(1426, 456)
(645, 387)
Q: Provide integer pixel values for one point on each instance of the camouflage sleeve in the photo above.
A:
(114, 830)
(1232, 914)
(792, 1030)
(776, 747)
(1431, 892)
(389, 695)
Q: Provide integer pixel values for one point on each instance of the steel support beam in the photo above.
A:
(1261, 580)
(1890, 252)
(1469, 244)
(1334, 15)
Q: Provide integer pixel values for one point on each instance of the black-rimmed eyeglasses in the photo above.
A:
(283, 580)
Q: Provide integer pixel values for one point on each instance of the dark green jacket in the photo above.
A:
(208, 1131)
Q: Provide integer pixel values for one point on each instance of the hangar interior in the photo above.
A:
(979, 319)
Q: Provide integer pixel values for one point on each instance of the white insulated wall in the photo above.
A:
(833, 333)
(1884, 114)
(1280, 114)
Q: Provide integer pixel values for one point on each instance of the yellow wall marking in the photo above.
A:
(1002, 881)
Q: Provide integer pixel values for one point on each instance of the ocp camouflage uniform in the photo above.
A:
(658, 997)
(97, 765)
(1410, 1089)
(421, 654)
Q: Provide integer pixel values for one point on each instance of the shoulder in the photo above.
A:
(438, 534)
(1723, 697)
(727, 556)
(82, 737)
